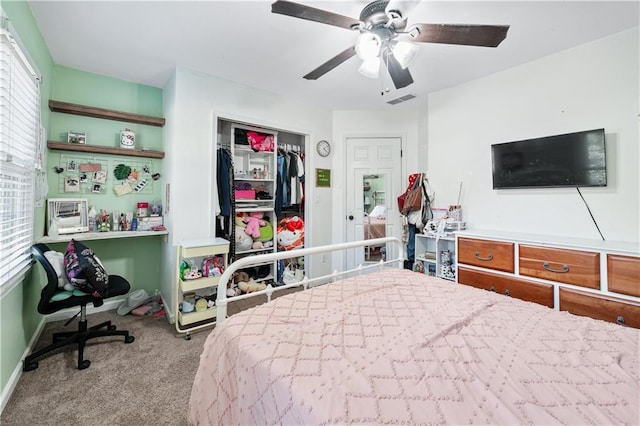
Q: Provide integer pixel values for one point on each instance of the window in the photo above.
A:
(19, 141)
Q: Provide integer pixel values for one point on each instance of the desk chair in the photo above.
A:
(118, 286)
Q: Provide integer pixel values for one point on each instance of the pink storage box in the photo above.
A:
(245, 194)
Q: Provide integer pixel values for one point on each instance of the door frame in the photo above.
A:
(340, 219)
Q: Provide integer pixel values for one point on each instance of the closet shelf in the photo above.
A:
(96, 149)
(107, 114)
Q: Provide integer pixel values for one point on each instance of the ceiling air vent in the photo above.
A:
(401, 99)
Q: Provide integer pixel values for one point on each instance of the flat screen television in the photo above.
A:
(569, 160)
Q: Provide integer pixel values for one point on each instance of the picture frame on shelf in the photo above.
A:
(77, 137)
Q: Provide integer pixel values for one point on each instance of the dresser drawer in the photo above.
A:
(496, 255)
(510, 286)
(623, 274)
(600, 307)
(566, 266)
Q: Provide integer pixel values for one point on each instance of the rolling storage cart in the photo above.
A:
(199, 289)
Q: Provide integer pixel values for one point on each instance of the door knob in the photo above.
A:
(350, 217)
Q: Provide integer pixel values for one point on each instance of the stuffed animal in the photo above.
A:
(240, 219)
(251, 286)
(246, 284)
(266, 233)
(289, 240)
(243, 241)
(233, 290)
(295, 224)
(232, 286)
(254, 222)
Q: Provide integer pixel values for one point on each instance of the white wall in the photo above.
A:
(591, 86)
(404, 123)
(192, 103)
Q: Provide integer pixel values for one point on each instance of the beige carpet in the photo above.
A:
(147, 382)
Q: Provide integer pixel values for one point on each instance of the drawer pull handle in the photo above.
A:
(507, 292)
(565, 268)
(477, 256)
(493, 288)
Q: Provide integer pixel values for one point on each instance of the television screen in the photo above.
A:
(573, 159)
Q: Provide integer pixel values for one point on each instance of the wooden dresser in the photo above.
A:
(600, 279)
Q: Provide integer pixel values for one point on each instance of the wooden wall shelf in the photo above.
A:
(96, 149)
(107, 114)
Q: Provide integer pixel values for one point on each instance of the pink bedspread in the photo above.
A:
(400, 347)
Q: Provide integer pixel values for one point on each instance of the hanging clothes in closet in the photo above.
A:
(225, 223)
(290, 181)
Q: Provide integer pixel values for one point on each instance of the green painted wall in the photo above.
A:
(134, 258)
(84, 88)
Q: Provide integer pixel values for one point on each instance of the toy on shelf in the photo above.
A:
(189, 271)
(254, 221)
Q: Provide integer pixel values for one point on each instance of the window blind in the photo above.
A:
(19, 135)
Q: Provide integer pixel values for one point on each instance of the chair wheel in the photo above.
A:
(129, 339)
(111, 327)
(187, 336)
(84, 364)
(30, 366)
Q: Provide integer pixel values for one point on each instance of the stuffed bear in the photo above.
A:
(254, 222)
(251, 286)
(245, 283)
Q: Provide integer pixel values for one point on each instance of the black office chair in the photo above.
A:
(117, 286)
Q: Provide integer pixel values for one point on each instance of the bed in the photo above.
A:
(393, 346)
(375, 224)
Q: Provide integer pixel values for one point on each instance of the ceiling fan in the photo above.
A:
(385, 39)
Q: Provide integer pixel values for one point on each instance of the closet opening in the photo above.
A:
(261, 178)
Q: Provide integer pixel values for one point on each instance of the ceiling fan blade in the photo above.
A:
(470, 35)
(331, 63)
(309, 13)
(401, 76)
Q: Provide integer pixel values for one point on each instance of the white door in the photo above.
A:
(374, 180)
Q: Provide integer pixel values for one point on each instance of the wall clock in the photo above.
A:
(324, 148)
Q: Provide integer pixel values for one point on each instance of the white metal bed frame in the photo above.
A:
(222, 300)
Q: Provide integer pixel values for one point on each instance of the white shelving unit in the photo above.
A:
(258, 169)
(196, 251)
(437, 254)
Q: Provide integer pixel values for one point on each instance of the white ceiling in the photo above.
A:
(243, 41)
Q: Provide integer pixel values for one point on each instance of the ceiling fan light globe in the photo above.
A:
(370, 68)
(405, 52)
(368, 46)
